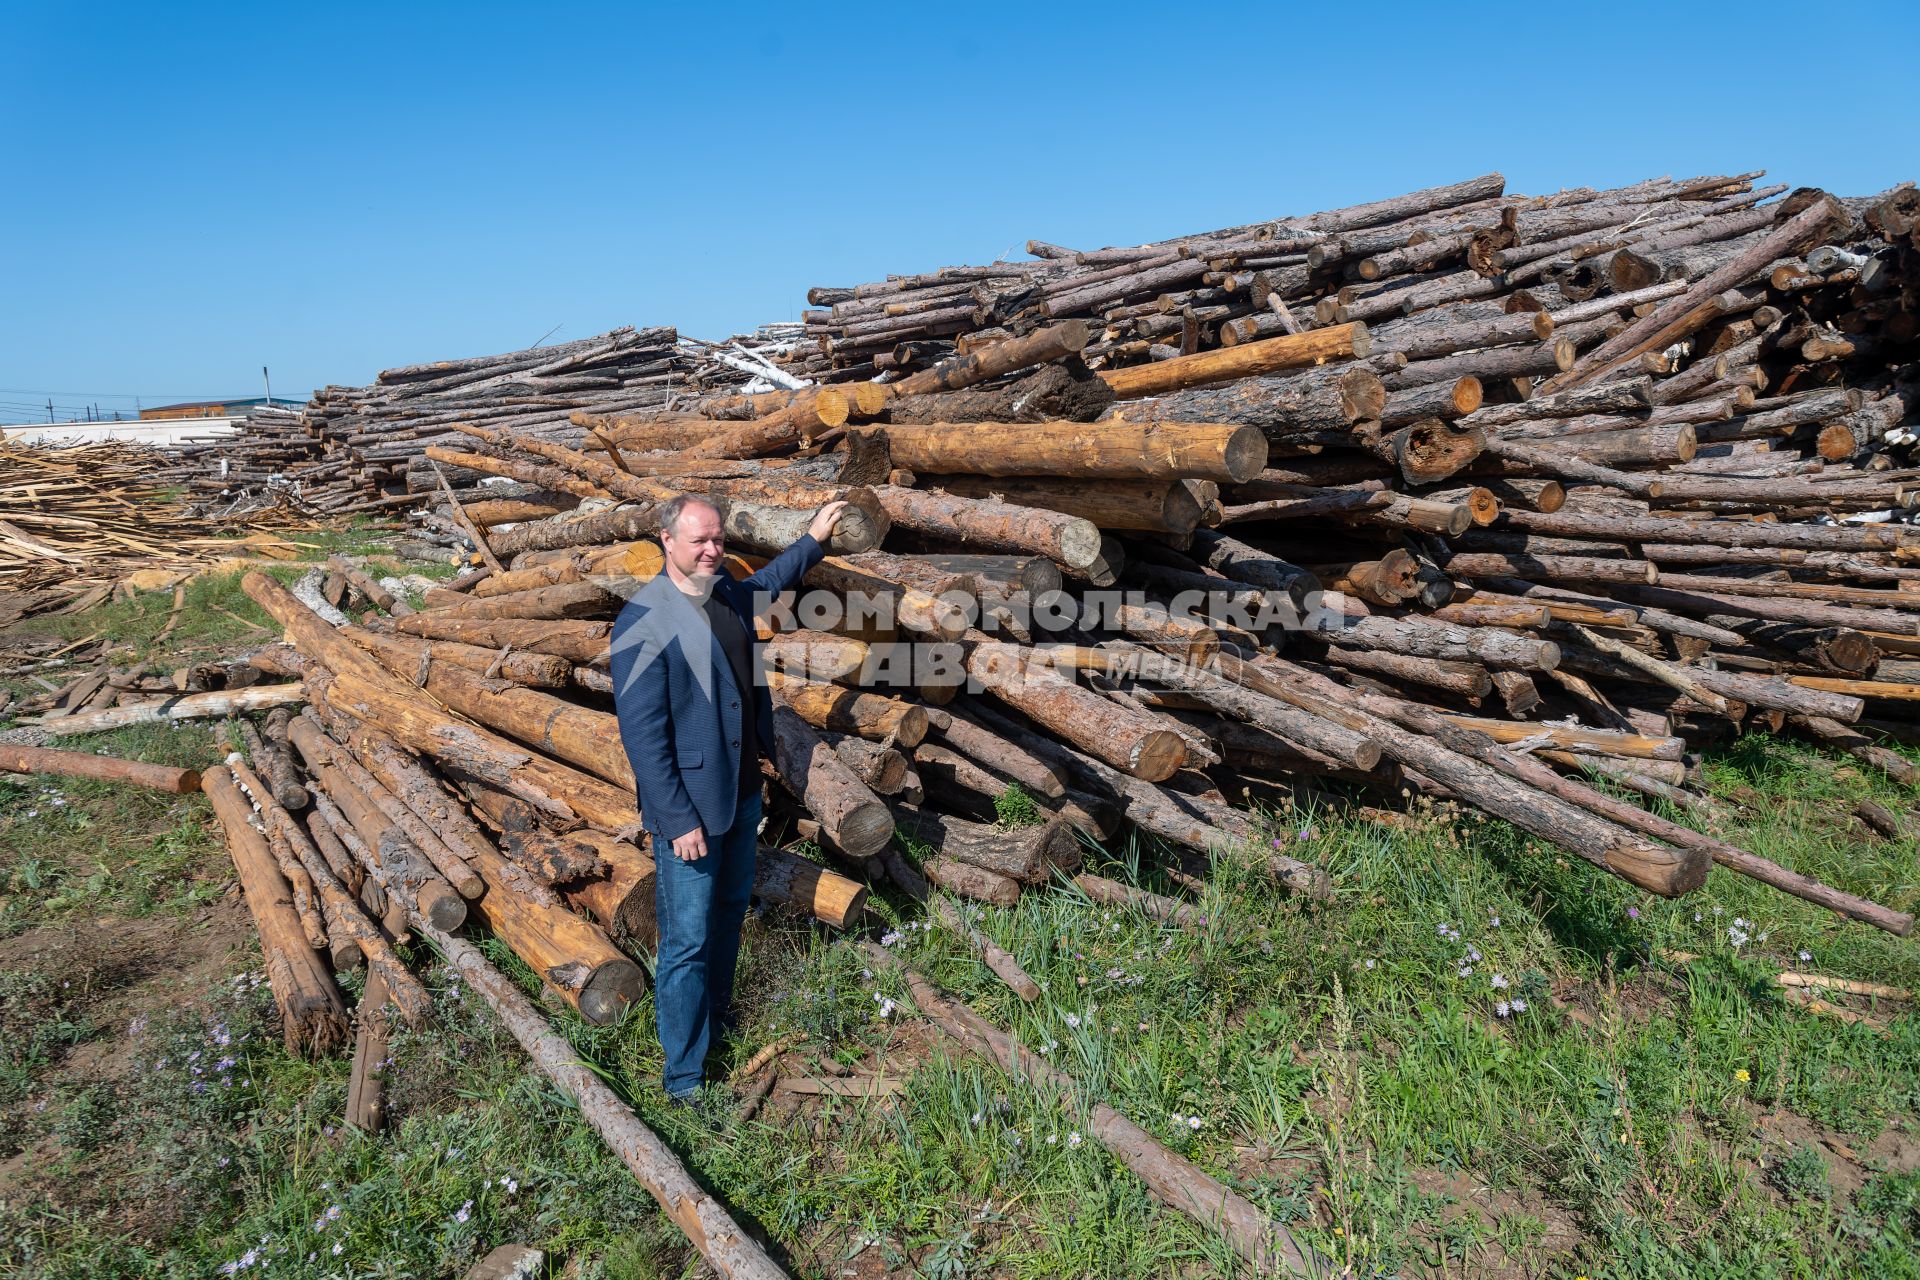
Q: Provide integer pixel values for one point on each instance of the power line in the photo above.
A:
(106, 395)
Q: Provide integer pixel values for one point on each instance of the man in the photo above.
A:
(695, 722)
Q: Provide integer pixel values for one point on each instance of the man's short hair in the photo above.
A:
(670, 510)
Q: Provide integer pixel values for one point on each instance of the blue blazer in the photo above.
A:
(678, 705)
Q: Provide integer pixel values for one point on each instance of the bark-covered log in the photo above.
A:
(994, 525)
(721, 1241)
(1130, 741)
(1026, 854)
(1052, 393)
(852, 816)
(1188, 449)
(1466, 679)
(1154, 506)
(576, 641)
(313, 1016)
(1447, 401)
(1244, 562)
(579, 529)
(816, 655)
(1174, 1180)
(1657, 868)
(1416, 637)
(871, 716)
(565, 600)
(344, 914)
(996, 753)
(1340, 745)
(1329, 398)
(84, 764)
(881, 768)
(192, 706)
(413, 659)
(965, 880)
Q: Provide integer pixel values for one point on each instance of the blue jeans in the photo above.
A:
(701, 906)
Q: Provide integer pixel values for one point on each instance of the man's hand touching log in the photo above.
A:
(824, 521)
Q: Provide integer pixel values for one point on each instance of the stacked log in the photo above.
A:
(1463, 493)
(455, 795)
(359, 449)
(1476, 560)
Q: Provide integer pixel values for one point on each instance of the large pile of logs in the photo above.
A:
(358, 449)
(1516, 501)
(77, 521)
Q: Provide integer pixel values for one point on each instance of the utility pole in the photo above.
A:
(49, 411)
(269, 381)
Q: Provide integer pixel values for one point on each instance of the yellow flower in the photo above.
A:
(1339, 1231)
(1742, 1076)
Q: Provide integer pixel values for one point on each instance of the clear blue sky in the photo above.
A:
(195, 190)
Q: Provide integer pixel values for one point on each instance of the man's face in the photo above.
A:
(696, 546)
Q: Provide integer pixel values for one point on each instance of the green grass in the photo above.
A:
(1332, 1062)
(79, 848)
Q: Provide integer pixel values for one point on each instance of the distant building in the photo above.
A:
(234, 408)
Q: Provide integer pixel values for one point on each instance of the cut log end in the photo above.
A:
(1659, 868)
(612, 989)
(443, 908)
(1245, 454)
(1079, 544)
(1467, 395)
(865, 830)
(1157, 756)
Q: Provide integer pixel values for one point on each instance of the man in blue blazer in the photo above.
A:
(695, 721)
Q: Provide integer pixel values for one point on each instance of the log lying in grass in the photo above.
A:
(1027, 854)
(1173, 1179)
(82, 764)
(720, 1240)
(192, 706)
(343, 912)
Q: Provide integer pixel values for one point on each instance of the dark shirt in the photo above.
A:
(737, 644)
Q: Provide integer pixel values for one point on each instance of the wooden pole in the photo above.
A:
(313, 1016)
(1173, 1179)
(1269, 355)
(720, 1240)
(1083, 451)
(192, 706)
(82, 764)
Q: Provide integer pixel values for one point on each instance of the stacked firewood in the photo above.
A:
(1494, 550)
(358, 449)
